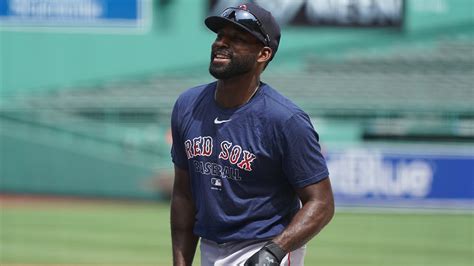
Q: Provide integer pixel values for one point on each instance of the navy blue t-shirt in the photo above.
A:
(245, 162)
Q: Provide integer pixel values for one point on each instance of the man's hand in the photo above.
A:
(270, 255)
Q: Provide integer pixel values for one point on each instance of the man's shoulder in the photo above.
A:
(280, 104)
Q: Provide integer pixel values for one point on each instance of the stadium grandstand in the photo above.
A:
(360, 86)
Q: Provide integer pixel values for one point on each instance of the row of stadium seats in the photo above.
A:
(439, 81)
(374, 93)
(436, 85)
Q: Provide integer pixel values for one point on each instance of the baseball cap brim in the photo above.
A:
(215, 23)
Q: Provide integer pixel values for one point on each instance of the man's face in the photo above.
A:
(234, 52)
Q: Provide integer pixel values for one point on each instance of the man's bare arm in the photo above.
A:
(317, 211)
(182, 220)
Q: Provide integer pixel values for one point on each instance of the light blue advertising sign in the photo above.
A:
(75, 14)
(371, 177)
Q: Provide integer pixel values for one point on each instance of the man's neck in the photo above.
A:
(237, 91)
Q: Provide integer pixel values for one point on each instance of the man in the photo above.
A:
(250, 180)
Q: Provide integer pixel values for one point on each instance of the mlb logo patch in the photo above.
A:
(216, 182)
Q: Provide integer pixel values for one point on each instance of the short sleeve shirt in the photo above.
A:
(244, 163)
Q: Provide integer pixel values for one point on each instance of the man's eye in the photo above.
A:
(239, 39)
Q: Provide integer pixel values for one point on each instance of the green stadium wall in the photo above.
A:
(178, 41)
(44, 160)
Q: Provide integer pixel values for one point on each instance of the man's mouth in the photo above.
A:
(220, 57)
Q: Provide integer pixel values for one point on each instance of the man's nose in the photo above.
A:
(221, 41)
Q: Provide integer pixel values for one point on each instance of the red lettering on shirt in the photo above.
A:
(246, 161)
(235, 154)
(224, 154)
(197, 146)
(206, 146)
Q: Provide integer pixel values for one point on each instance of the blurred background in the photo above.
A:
(87, 87)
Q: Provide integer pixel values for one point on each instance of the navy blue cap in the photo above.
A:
(266, 19)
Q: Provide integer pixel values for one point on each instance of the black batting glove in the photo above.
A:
(269, 255)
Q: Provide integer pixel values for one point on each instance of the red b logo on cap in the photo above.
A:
(243, 7)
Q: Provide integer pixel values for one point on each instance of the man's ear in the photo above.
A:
(265, 54)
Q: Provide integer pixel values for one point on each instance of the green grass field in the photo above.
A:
(138, 234)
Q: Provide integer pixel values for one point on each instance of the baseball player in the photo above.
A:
(250, 180)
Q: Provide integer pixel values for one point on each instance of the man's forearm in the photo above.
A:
(317, 211)
(183, 239)
(305, 225)
(184, 248)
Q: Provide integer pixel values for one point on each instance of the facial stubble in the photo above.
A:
(238, 65)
